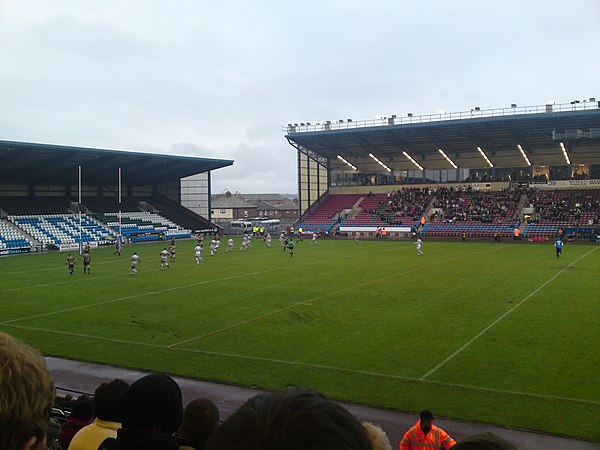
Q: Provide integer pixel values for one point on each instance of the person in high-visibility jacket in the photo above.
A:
(425, 435)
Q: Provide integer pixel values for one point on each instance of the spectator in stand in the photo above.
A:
(52, 434)
(295, 419)
(107, 408)
(82, 414)
(151, 409)
(424, 434)
(26, 396)
(200, 421)
(377, 436)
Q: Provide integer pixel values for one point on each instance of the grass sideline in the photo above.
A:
(498, 333)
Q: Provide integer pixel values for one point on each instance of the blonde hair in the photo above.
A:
(27, 394)
(377, 436)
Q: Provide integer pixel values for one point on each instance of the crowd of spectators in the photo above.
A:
(468, 205)
(577, 207)
(149, 415)
(403, 207)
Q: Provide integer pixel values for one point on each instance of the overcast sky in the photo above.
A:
(218, 79)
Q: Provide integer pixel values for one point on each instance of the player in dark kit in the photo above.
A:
(71, 264)
(86, 262)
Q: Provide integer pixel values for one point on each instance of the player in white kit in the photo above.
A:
(419, 245)
(164, 254)
(135, 259)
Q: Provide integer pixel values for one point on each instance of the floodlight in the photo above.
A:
(410, 114)
(565, 154)
(485, 157)
(447, 158)
(524, 154)
(413, 160)
(513, 105)
(477, 108)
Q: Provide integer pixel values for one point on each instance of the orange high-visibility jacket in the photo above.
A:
(415, 439)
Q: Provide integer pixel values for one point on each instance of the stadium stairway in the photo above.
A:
(180, 214)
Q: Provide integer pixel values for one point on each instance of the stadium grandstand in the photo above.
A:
(482, 173)
(59, 197)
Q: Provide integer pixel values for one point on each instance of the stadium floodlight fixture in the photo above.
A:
(348, 120)
(524, 155)
(413, 161)
(410, 114)
(301, 124)
(513, 105)
(381, 163)
(566, 155)
(447, 158)
(308, 124)
(477, 108)
(349, 164)
(487, 160)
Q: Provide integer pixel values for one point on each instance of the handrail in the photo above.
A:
(475, 113)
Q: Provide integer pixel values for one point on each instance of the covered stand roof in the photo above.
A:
(539, 134)
(26, 163)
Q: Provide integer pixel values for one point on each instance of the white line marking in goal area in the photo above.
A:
(501, 317)
(319, 366)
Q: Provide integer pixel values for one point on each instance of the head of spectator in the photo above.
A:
(153, 403)
(27, 393)
(107, 400)
(483, 441)
(378, 438)
(427, 419)
(295, 419)
(81, 415)
(200, 421)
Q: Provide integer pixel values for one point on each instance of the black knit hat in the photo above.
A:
(83, 410)
(427, 415)
(153, 401)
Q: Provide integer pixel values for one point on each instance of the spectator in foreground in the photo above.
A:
(424, 434)
(377, 436)
(81, 415)
(107, 407)
(52, 433)
(200, 421)
(151, 412)
(26, 396)
(295, 419)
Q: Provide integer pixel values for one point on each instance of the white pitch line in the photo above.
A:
(144, 294)
(314, 299)
(318, 366)
(501, 317)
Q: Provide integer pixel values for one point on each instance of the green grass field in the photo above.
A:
(499, 333)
